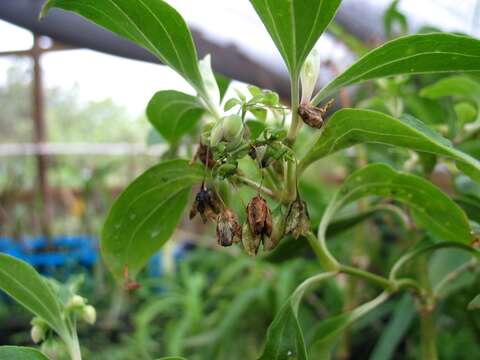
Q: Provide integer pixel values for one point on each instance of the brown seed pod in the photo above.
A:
(250, 242)
(207, 204)
(297, 221)
(259, 217)
(204, 153)
(314, 116)
(228, 228)
(271, 242)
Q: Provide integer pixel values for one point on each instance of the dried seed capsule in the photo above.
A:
(207, 204)
(270, 243)
(313, 116)
(228, 228)
(259, 217)
(205, 154)
(297, 221)
(250, 242)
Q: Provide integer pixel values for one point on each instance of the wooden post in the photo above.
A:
(40, 137)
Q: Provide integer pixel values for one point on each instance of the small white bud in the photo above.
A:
(89, 314)
(309, 75)
(37, 333)
(76, 301)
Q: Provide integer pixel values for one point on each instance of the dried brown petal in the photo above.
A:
(228, 228)
(271, 242)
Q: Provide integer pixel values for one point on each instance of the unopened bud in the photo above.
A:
(297, 221)
(89, 314)
(250, 242)
(76, 301)
(37, 333)
(228, 169)
(232, 127)
(309, 75)
(228, 228)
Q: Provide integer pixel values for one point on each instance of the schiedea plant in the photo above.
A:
(256, 130)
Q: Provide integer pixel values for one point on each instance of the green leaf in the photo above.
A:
(327, 333)
(285, 336)
(22, 282)
(152, 24)
(395, 331)
(414, 54)
(349, 127)
(145, 215)
(295, 26)
(174, 114)
(20, 353)
(431, 207)
(455, 86)
(475, 303)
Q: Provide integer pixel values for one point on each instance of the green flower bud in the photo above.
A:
(232, 128)
(216, 135)
(228, 169)
(89, 314)
(250, 242)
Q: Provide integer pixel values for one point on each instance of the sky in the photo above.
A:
(132, 83)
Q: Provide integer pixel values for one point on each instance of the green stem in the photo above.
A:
(413, 254)
(328, 262)
(290, 190)
(373, 278)
(295, 125)
(428, 334)
(256, 186)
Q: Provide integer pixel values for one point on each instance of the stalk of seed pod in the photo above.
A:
(297, 221)
(259, 217)
(250, 241)
(228, 228)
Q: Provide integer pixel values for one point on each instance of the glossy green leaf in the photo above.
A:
(327, 333)
(430, 206)
(22, 282)
(152, 24)
(396, 329)
(145, 215)
(349, 127)
(295, 26)
(20, 353)
(174, 114)
(475, 303)
(414, 54)
(285, 339)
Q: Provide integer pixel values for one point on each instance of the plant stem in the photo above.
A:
(328, 262)
(295, 125)
(74, 346)
(256, 186)
(455, 274)
(428, 334)
(373, 278)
